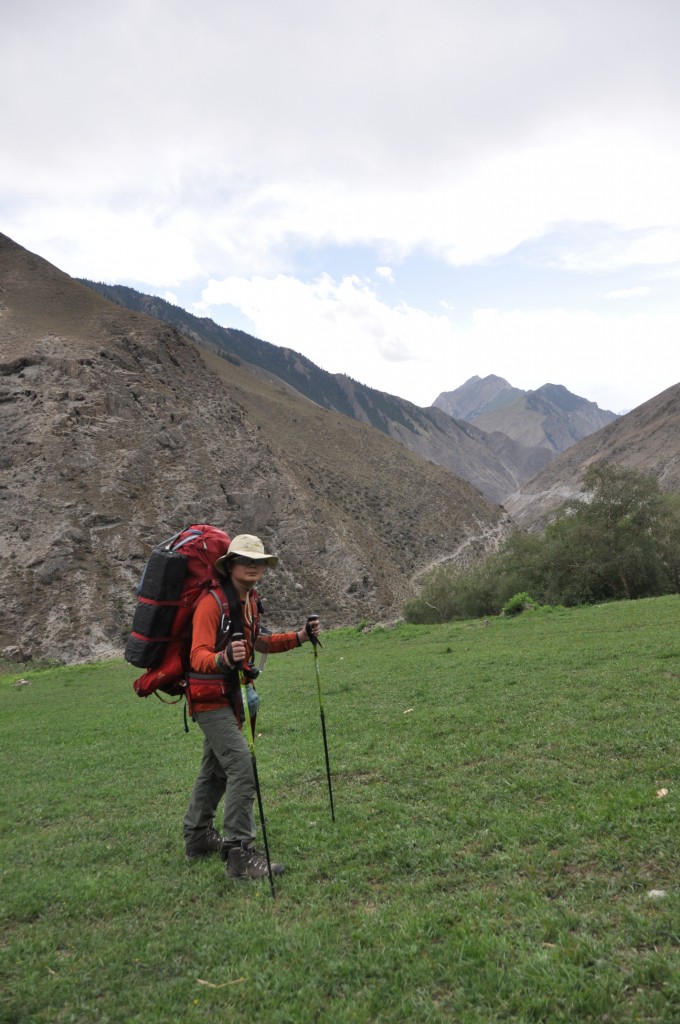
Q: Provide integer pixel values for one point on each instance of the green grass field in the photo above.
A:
(499, 832)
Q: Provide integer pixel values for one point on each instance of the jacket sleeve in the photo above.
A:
(206, 623)
(275, 643)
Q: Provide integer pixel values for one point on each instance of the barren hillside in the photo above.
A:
(492, 462)
(117, 431)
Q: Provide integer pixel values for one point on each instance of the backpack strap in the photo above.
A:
(231, 620)
(226, 626)
(231, 617)
(255, 611)
(190, 535)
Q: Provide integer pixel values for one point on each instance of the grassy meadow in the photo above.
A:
(503, 849)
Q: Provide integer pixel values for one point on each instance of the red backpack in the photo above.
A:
(177, 575)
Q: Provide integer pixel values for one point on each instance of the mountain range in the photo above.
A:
(647, 439)
(119, 428)
(496, 455)
(550, 417)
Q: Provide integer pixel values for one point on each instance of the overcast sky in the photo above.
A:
(410, 192)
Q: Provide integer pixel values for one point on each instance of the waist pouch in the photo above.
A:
(209, 688)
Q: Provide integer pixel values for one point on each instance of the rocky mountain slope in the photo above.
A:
(490, 460)
(550, 417)
(117, 431)
(646, 439)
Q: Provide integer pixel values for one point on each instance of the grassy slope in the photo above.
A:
(498, 832)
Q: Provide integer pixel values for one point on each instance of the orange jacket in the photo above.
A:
(204, 646)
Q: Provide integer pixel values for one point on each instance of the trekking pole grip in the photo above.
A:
(308, 630)
(236, 636)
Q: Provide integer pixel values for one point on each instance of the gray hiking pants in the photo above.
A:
(226, 770)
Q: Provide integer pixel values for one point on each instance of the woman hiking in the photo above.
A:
(216, 705)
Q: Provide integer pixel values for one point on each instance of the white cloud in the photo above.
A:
(602, 358)
(628, 293)
(617, 250)
(151, 144)
(509, 119)
(340, 325)
(405, 351)
(157, 246)
(192, 222)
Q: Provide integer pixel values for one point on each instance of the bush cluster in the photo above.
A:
(519, 603)
(620, 541)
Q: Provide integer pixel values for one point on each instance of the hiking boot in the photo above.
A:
(246, 861)
(210, 842)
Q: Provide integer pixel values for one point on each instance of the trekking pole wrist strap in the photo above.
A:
(222, 661)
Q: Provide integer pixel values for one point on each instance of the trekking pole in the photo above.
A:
(251, 745)
(316, 643)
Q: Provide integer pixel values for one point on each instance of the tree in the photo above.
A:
(611, 544)
(621, 540)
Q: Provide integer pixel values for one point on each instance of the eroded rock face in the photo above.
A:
(116, 434)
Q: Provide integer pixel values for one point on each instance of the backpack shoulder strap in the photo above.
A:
(255, 608)
(231, 616)
(226, 626)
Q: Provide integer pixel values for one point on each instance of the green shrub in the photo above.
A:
(519, 603)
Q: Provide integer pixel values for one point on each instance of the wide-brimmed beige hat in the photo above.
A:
(248, 546)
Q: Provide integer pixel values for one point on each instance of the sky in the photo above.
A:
(411, 193)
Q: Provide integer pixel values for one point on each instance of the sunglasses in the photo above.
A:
(242, 560)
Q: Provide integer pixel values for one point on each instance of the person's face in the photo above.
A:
(246, 573)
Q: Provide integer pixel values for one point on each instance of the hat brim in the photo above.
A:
(221, 563)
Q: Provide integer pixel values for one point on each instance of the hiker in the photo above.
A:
(215, 701)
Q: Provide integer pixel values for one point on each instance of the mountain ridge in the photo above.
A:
(118, 430)
(550, 417)
(647, 439)
(496, 466)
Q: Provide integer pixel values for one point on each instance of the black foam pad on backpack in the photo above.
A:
(163, 576)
